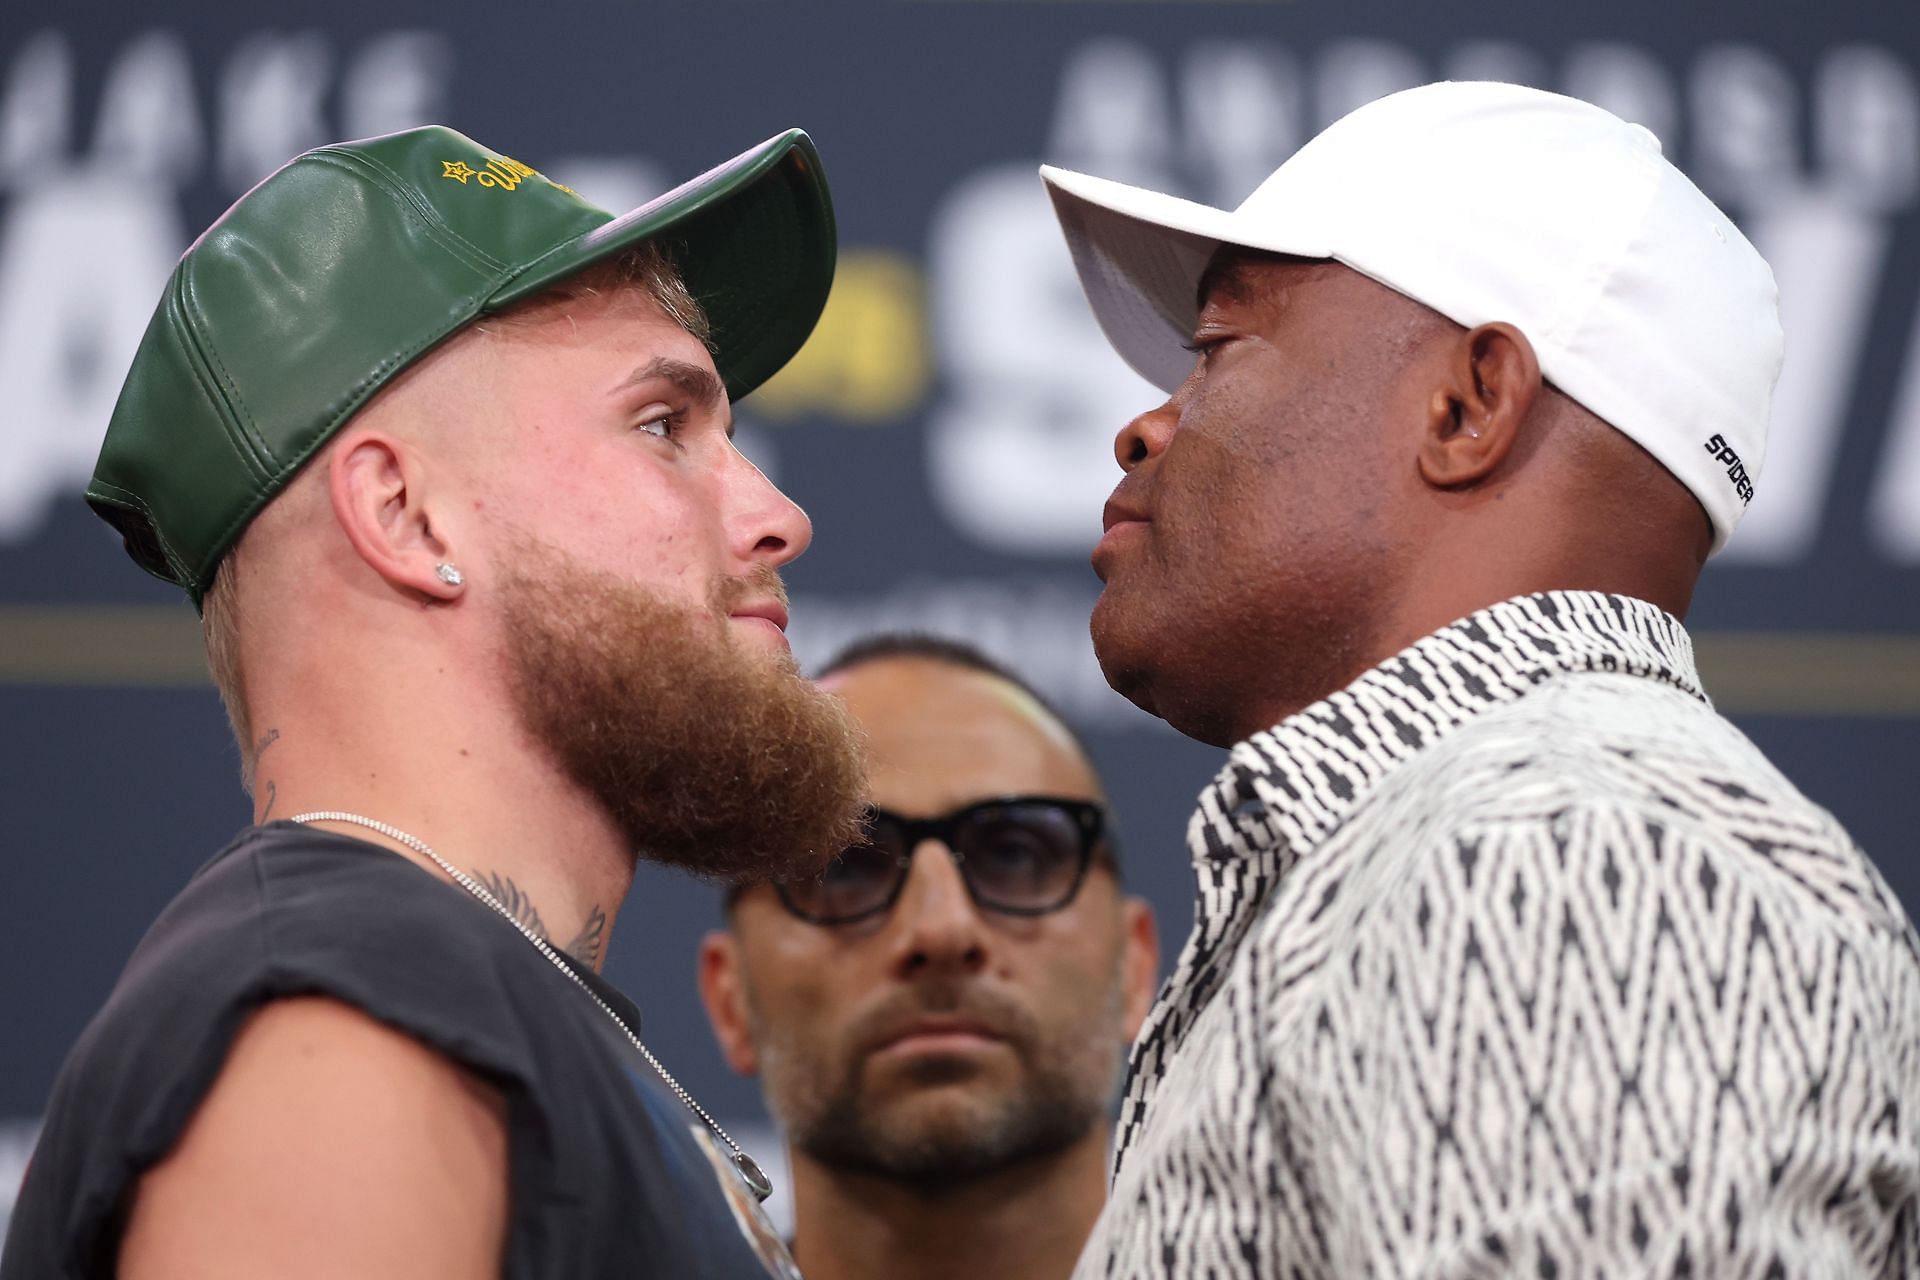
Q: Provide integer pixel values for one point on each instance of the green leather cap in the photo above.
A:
(352, 261)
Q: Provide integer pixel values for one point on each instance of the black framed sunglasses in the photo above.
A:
(1020, 855)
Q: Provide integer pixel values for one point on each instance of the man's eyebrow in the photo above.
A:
(1222, 274)
(697, 384)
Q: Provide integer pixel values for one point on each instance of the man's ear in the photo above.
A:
(1140, 965)
(721, 992)
(1493, 380)
(378, 489)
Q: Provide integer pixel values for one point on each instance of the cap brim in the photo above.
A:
(1140, 255)
(753, 239)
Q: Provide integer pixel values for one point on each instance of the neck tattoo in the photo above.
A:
(750, 1172)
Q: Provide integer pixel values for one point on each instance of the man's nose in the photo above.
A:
(940, 929)
(770, 528)
(1145, 437)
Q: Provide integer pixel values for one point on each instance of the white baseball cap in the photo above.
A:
(1486, 202)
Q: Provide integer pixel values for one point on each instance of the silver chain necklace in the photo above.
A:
(750, 1171)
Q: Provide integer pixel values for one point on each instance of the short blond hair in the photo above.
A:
(220, 628)
(642, 271)
(645, 270)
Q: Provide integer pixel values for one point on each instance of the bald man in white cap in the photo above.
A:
(1512, 956)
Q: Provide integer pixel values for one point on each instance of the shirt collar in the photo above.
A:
(1286, 789)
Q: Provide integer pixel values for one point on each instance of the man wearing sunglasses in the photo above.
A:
(938, 1020)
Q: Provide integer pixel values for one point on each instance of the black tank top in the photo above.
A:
(610, 1174)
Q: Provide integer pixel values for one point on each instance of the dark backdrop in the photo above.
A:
(949, 428)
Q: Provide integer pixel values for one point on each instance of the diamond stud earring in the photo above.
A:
(448, 574)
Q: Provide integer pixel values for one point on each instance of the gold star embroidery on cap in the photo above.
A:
(457, 169)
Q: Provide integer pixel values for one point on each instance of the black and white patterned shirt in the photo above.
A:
(1514, 958)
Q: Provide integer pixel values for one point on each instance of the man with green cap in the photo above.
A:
(443, 454)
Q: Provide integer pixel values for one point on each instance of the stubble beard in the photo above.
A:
(707, 756)
(1062, 1094)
